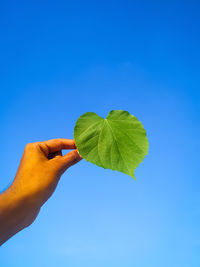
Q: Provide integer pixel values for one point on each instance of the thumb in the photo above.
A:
(68, 160)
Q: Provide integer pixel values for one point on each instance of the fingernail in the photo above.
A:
(79, 154)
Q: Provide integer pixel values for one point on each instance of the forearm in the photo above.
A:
(15, 214)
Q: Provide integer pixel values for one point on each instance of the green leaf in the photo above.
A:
(118, 142)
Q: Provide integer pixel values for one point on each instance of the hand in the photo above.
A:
(40, 169)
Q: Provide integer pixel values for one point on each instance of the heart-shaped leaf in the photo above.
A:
(118, 142)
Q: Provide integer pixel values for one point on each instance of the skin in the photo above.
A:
(39, 172)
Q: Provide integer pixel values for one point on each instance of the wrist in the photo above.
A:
(11, 200)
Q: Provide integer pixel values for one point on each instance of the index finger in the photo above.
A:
(58, 144)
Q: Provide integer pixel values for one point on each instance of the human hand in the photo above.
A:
(40, 169)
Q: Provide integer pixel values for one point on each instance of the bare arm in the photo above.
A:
(40, 169)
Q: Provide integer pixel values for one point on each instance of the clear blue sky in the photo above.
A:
(60, 59)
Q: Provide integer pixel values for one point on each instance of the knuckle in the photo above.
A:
(28, 146)
(31, 146)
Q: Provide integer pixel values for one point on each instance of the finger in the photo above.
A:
(54, 145)
(55, 154)
(69, 160)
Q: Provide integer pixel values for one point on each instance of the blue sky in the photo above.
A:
(60, 59)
